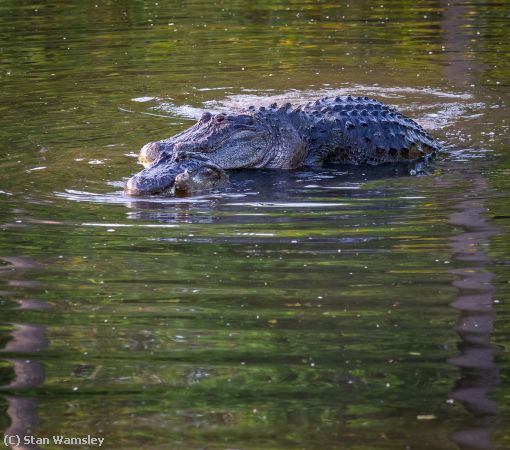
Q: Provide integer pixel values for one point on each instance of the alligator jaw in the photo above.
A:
(139, 185)
(178, 174)
(157, 178)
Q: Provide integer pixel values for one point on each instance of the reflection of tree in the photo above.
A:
(23, 412)
(479, 373)
(456, 40)
(473, 37)
(25, 338)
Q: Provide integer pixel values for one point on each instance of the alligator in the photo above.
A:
(344, 130)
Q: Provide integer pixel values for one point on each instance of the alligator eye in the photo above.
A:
(220, 118)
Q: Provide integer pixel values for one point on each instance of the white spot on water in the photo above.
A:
(143, 99)
(33, 169)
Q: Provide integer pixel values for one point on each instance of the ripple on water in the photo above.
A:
(120, 198)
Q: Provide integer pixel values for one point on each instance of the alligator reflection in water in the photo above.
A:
(479, 373)
(272, 186)
(25, 338)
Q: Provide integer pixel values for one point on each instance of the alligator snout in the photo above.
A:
(141, 184)
(178, 174)
(152, 151)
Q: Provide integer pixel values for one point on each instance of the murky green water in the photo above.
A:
(346, 308)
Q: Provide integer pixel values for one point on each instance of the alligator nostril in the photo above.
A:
(205, 116)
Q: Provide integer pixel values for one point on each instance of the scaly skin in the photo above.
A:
(346, 130)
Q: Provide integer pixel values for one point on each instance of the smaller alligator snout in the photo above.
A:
(131, 187)
(140, 184)
(179, 174)
(157, 177)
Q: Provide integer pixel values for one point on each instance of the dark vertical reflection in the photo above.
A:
(457, 40)
(479, 373)
(24, 338)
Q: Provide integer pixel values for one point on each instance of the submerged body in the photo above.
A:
(345, 130)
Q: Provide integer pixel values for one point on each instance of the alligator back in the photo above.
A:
(358, 130)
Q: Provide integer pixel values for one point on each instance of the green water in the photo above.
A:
(321, 308)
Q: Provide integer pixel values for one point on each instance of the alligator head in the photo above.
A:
(179, 174)
(193, 160)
